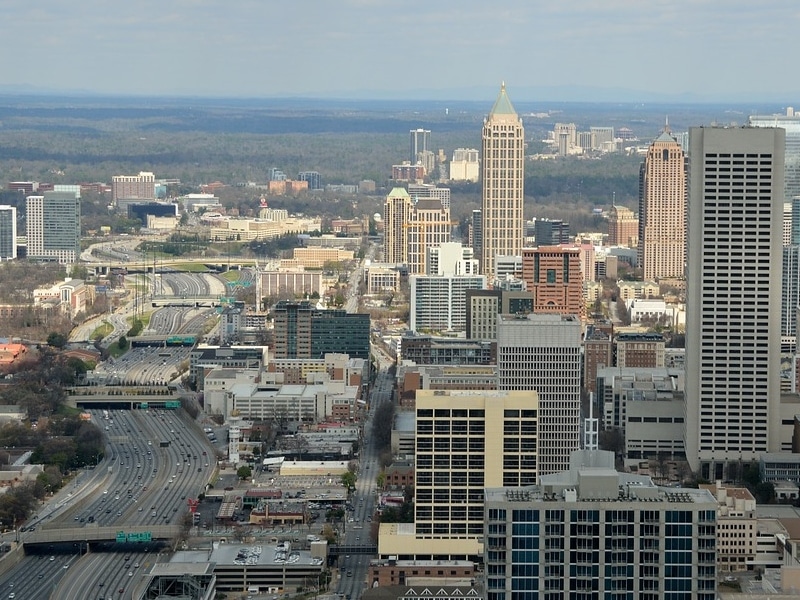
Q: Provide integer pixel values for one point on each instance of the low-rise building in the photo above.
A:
(435, 573)
(737, 526)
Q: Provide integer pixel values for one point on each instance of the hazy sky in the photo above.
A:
(709, 49)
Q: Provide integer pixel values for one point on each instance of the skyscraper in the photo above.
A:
(623, 227)
(733, 307)
(543, 353)
(54, 227)
(789, 122)
(420, 142)
(396, 214)
(8, 232)
(554, 276)
(662, 209)
(502, 181)
(141, 186)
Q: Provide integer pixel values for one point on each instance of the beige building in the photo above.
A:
(662, 209)
(465, 165)
(396, 214)
(314, 257)
(141, 186)
(630, 290)
(623, 227)
(502, 179)
(289, 283)
(737, 526)
(381, 279)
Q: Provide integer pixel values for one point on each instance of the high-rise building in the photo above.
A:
(313, 178)
(420, 141)
(733, 308)
(554, 275)
(476, 233)
(790, 123)
(543, 353)
(662, 210)
(438, 302)
(418, 191)
(591, 532)
(623, 227)
(8, 232)
(467, 441)
(396, 215)
(411, 227)
(304, 331)
(502, 179)
(54, 227)
(465, 165)
(483, 306)
(602, 138)
(550, 232)
(142, 186)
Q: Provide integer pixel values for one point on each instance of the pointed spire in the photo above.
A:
(666, 123)
(502, 106)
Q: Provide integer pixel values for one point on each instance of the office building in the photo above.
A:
(790, 290)
(543, 353)
(555, 277)
(438, 302)
(598, 352)
(467, 441)
(420, 141)
(483, 306)
(54, 227)
(602, 138)
(623, 227)
(304, 331)
(735, 214)
(502, 180)
(465, 165)
(737, 526)
(591, 532)
(476, 233)
(450, 258)
(429, 350)
(142, 186)
(313, 178)
(662, 210)
(419, 191)
(8, 232)
(790, 123)
(551, 232)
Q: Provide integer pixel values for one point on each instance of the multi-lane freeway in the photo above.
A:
(155, 462)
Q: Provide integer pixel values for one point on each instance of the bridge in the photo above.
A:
(345, 549)
(95, 534)
(220, 263)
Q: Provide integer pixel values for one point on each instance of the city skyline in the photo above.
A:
(582, 51)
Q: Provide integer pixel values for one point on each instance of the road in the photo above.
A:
(354, 568)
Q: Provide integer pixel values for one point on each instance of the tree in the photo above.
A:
(244, 472)
(122, 343)
(57, 340)
(349, 480)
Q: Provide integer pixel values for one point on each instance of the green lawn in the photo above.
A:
(190, 267)
(102, 331)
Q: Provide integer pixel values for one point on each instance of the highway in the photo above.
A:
(354, 568)
(138, 483)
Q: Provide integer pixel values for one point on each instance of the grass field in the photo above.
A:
(102, 331)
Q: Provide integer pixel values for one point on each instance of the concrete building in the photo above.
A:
(289, 283)
(312, 178)
(421, 191)
(543, 353)
(430, 350)
(662, 209)
(502, 179)
(733, 339)
(491, 439)
(438, 302)
(450, 258)
(465, 165)
(591, 532)
(555, 277)
(54, 227)
(737, 526)
(428, 226)
(551, 232)
(396, 215)
(142, 186)
(602, 138)
(381, 279)
(8, 232)
(483, 306)
(419, 142)
(598, 352)
(623, 227)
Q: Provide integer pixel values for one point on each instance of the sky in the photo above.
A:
(567, 50)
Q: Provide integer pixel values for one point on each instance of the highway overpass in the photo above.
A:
(94, 534)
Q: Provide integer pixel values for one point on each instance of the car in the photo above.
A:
(12, 595)
(130, 573)
(52, 558)
(135, 565)
(349, 573)
(102, 583)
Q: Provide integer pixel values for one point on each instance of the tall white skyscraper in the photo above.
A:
(542, 352)
(54, 227)
(502, 181)
(733, 308)
(789, 122)
(8, 232)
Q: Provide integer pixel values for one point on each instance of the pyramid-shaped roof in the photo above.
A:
(502, 106)
(665, 136)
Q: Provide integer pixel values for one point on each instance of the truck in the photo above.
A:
(164, 443)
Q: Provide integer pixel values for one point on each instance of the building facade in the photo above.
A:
(54, 227)
(790, 123)
(591, 533)
(543, 353)
(662, 209)
(502, 180)
(735, 212)
(304, 331)
(141, 186)
(438, 302)
(623, 227)
(8, 232)
(428, 226)
(555, 277)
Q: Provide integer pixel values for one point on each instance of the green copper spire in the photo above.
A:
(502, 106)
